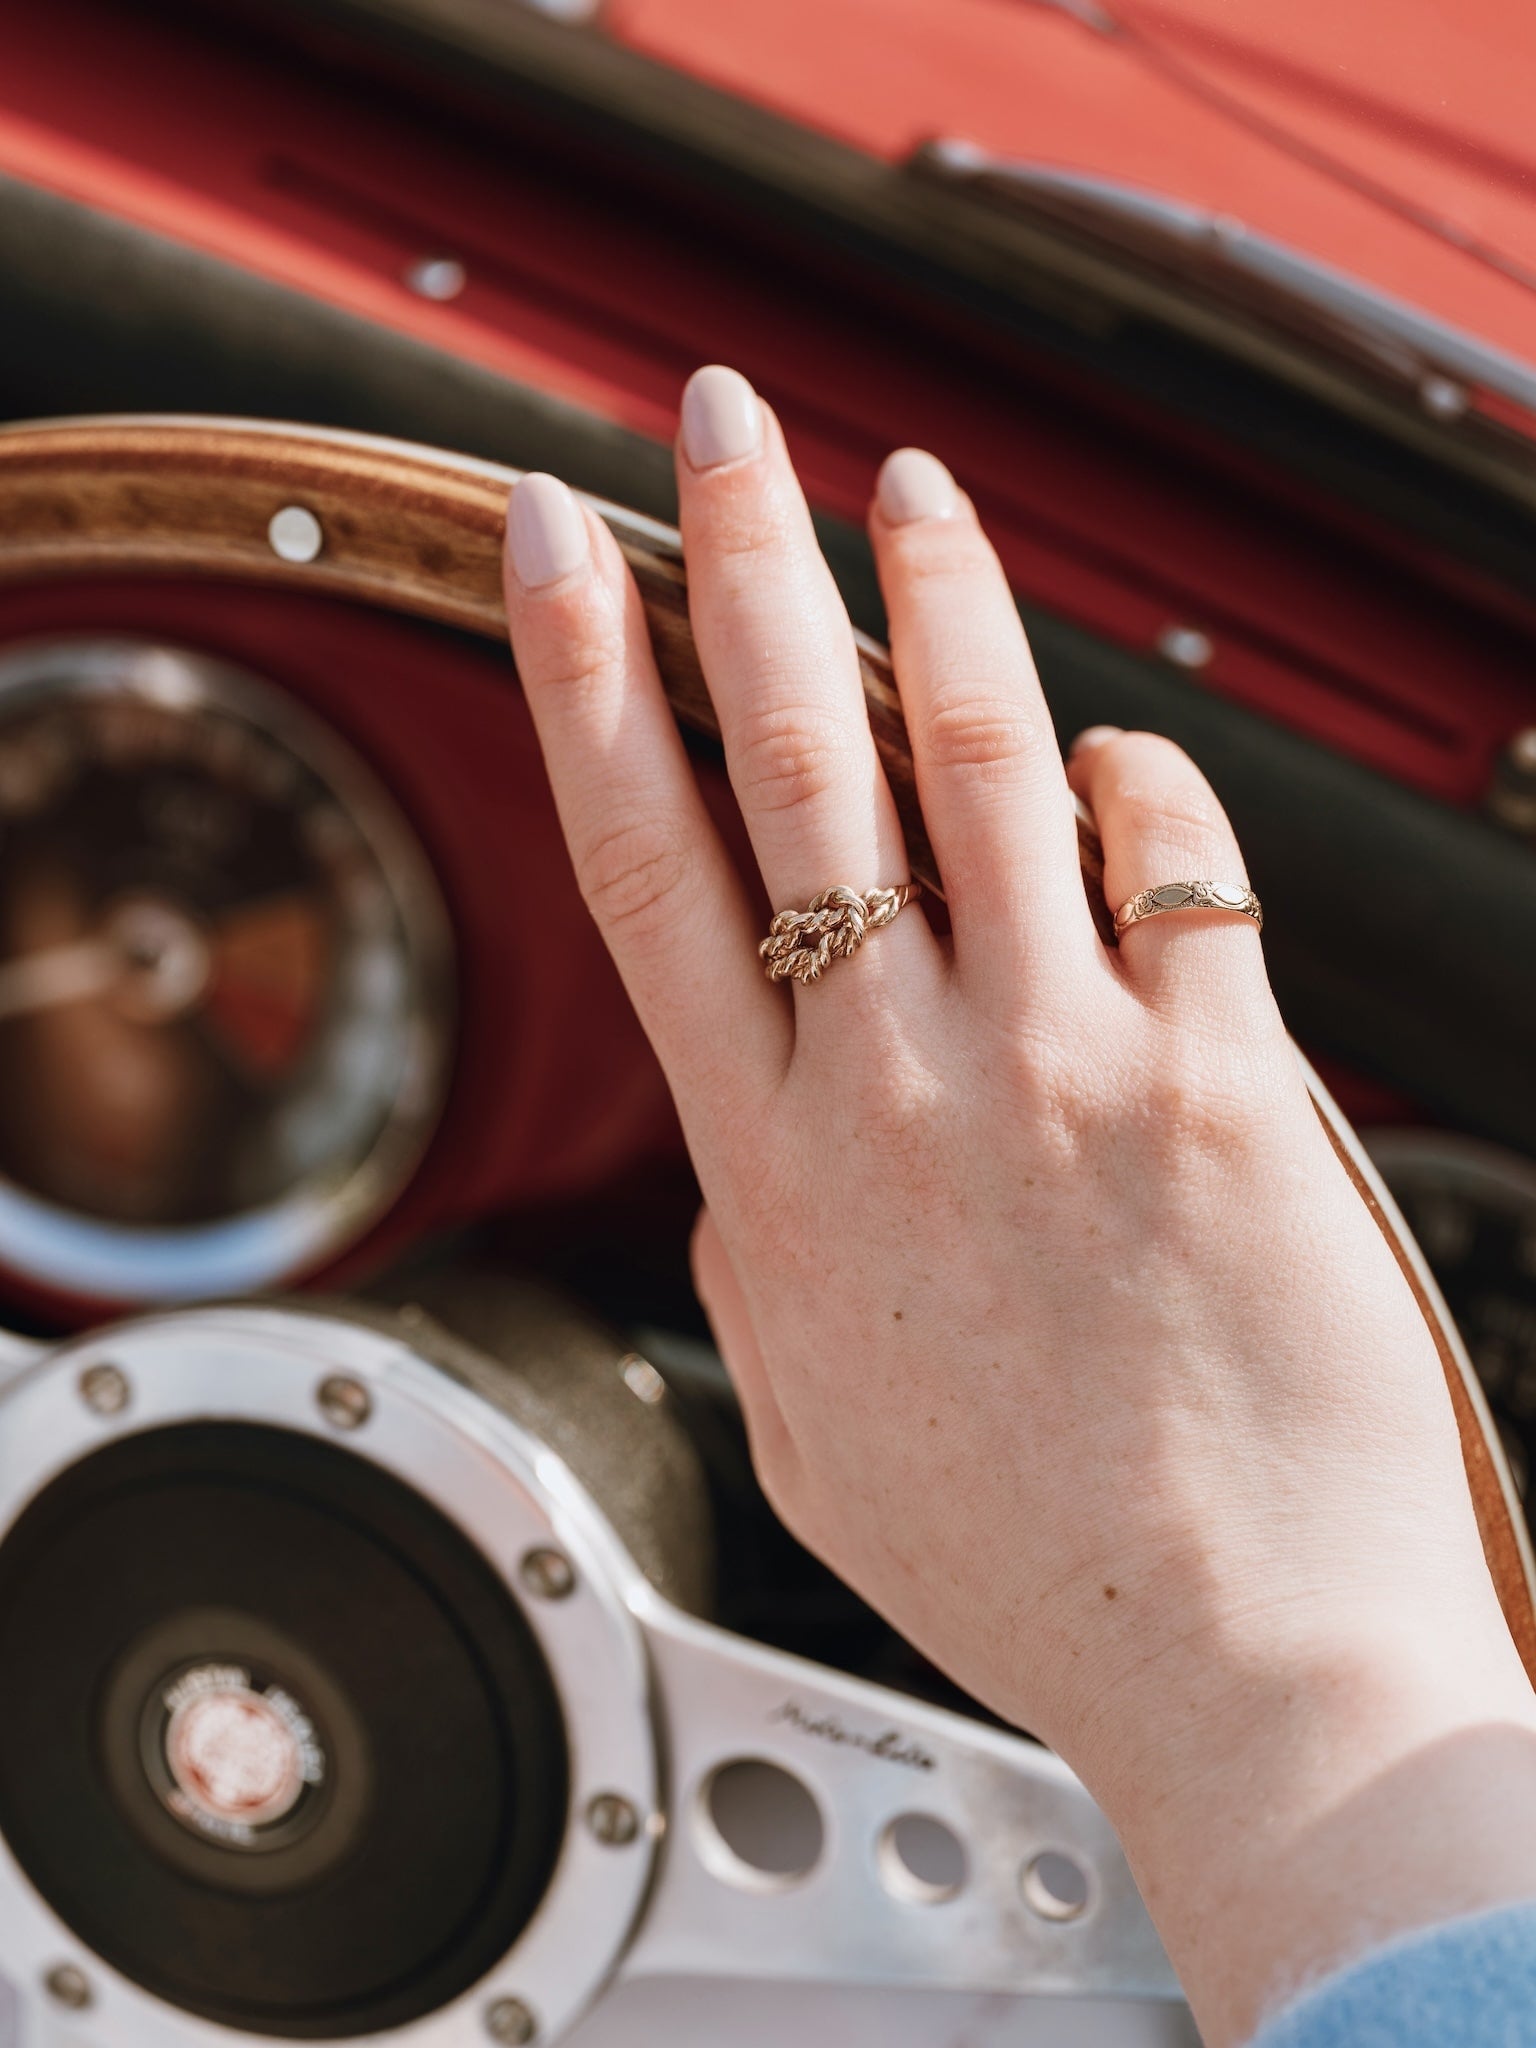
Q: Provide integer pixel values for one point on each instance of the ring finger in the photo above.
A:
(778, 652)
(1160, 822)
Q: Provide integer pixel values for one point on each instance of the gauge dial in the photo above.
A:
(224, 978)
(1472, 1208)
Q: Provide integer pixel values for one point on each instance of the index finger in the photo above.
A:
(651, 867)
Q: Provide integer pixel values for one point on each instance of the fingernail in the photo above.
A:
(1094, 736)
(914, 485)
(722, 420)
(546, 532)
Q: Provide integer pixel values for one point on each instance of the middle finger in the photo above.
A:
(778, 652)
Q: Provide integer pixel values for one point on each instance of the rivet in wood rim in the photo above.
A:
(68, 1985)
(547, 1574)
(509, 2021)
(345, 1404)
(104, 1389)
(295, 534)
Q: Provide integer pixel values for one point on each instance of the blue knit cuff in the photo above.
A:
(1467, 1984)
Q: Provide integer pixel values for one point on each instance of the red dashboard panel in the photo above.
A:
(578, 283)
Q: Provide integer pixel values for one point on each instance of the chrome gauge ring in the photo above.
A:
(225, 978)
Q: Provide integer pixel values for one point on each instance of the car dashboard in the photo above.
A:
(299, 1003)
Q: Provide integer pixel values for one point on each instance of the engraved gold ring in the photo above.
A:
(802, 943)
(1189, 896)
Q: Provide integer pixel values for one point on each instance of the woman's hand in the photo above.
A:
(1059, 1330)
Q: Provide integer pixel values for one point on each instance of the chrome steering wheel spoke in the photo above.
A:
(825, 1830)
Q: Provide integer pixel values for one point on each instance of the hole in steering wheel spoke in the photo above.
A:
(921, 1859)
(757, 1826)
(1056, 1886)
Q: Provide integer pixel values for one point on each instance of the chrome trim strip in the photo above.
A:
(1200, 244)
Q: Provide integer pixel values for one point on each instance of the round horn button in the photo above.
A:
(237, 1759)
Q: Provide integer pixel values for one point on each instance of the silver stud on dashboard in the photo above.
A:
(1443, 398)
(1185, 646)
(436, 277)
(295, 534)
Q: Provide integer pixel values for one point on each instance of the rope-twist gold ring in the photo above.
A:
(802, 943)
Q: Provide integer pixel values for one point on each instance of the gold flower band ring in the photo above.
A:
(1189, 896)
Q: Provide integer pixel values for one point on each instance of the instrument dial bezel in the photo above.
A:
(49, 1246)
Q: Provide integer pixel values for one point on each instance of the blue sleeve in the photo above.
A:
(1468, 1984)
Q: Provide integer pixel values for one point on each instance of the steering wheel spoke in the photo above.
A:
(828, 1831)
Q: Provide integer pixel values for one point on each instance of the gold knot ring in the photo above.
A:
(1189, 896)
(801, 943)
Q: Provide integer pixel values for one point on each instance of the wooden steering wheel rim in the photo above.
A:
(418, 531)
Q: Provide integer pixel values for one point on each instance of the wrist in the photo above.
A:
(1289, 1812)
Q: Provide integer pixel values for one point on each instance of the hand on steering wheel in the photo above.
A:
(1059, 1330)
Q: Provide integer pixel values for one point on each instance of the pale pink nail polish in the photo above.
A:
(546, 531)
(1094, 736)
(722, 420)
(914, 485)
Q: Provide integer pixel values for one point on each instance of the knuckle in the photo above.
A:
(786, 756)
(745, 524)
(963, 731)
(630, 875)
(1190, 810)
(579, 657)
(1157, 780)
(1187, 1103)
(1203, 1107)
(897, 1108)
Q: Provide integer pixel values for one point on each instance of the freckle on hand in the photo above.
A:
(895, 1315)
(1110, 1593)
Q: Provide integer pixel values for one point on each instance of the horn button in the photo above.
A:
(238, 1757)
